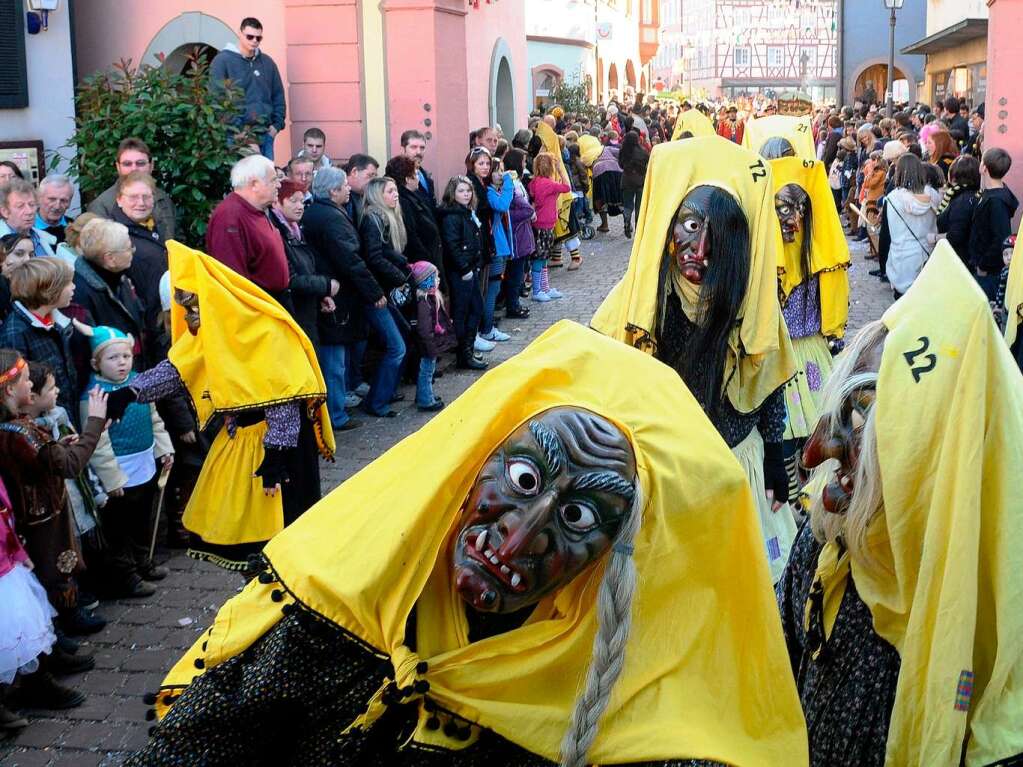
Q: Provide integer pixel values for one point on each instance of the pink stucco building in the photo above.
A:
(1004, 123)
(363, 71)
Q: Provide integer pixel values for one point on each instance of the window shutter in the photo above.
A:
(13, 71)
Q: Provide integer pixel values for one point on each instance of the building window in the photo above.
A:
(13, 72)
(775, 56)
(742, 56)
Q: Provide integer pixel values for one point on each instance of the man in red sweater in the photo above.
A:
(240, 234)
(730, 128)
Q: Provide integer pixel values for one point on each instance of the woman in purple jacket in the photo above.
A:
(522, 215)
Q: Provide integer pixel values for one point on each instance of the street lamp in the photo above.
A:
(893, 6)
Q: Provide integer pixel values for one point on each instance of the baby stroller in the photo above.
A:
(585, 228)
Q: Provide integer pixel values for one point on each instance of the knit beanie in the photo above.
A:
(103, 336)
(422, 271)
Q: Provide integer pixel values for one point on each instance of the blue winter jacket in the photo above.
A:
(500, 203)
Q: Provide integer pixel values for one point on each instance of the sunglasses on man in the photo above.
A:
(254, 38)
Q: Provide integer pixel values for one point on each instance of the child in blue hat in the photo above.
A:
(125, 461)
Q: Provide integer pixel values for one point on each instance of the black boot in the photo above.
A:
(9, 721)
(64, 664)
(40, 690)
(467, 358)
(628, 227)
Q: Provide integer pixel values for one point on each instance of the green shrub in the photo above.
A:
(574, 98)
(187, 126)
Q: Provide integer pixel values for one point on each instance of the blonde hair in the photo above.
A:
(375, 204)
(40, 281)
(543, 165)
(101, 236)
(851, 372)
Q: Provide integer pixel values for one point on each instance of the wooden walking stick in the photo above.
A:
(161, 485)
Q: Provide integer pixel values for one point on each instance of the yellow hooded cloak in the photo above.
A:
(947, 590)
(249, 352)
(1014, 295)
(706, 671)
(694, 121)
(590, 149)
(761, 358)
(552, 146)
(829, 253)
(797, 130)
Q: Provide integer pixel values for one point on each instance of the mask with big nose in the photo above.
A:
(839, 438)
(790, 204)
(548, 502)
(690, 243)
(190, 303)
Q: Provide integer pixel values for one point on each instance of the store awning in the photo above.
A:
(951, 37)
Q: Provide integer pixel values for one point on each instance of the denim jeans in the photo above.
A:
(332, 363)
(424, 384)
(514, 276)
(353, 364)
(266, 146)
(385, 381)
(496, 274)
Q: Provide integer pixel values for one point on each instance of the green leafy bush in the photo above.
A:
(187, 126)
(574, 98)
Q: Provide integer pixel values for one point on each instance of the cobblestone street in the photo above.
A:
(145, 637)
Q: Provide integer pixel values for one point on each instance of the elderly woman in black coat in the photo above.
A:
(312, 292)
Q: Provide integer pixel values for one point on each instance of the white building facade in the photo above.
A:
(607, 43)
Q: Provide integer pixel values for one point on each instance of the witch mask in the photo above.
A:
(548, 502)
(190, 303)
(839, 435)
(791, 204)
(690, 243)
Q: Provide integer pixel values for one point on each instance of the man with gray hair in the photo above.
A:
(240, 234)
(54, 198)
(18, 207)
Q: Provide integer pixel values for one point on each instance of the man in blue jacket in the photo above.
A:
(256, 74)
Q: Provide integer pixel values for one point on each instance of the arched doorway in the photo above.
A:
(503, 99)
(180, 35)
(642, 82)
(546, 78)
(630, 74)
(612, 80)
(180, 60)
(875, 76)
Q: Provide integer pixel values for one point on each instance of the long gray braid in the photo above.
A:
(614, 616)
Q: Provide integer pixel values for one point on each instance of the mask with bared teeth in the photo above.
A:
(547, 503)
(689, 243)
(791, 204)
(840, 439)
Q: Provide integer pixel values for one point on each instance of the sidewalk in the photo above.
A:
(145, 638)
